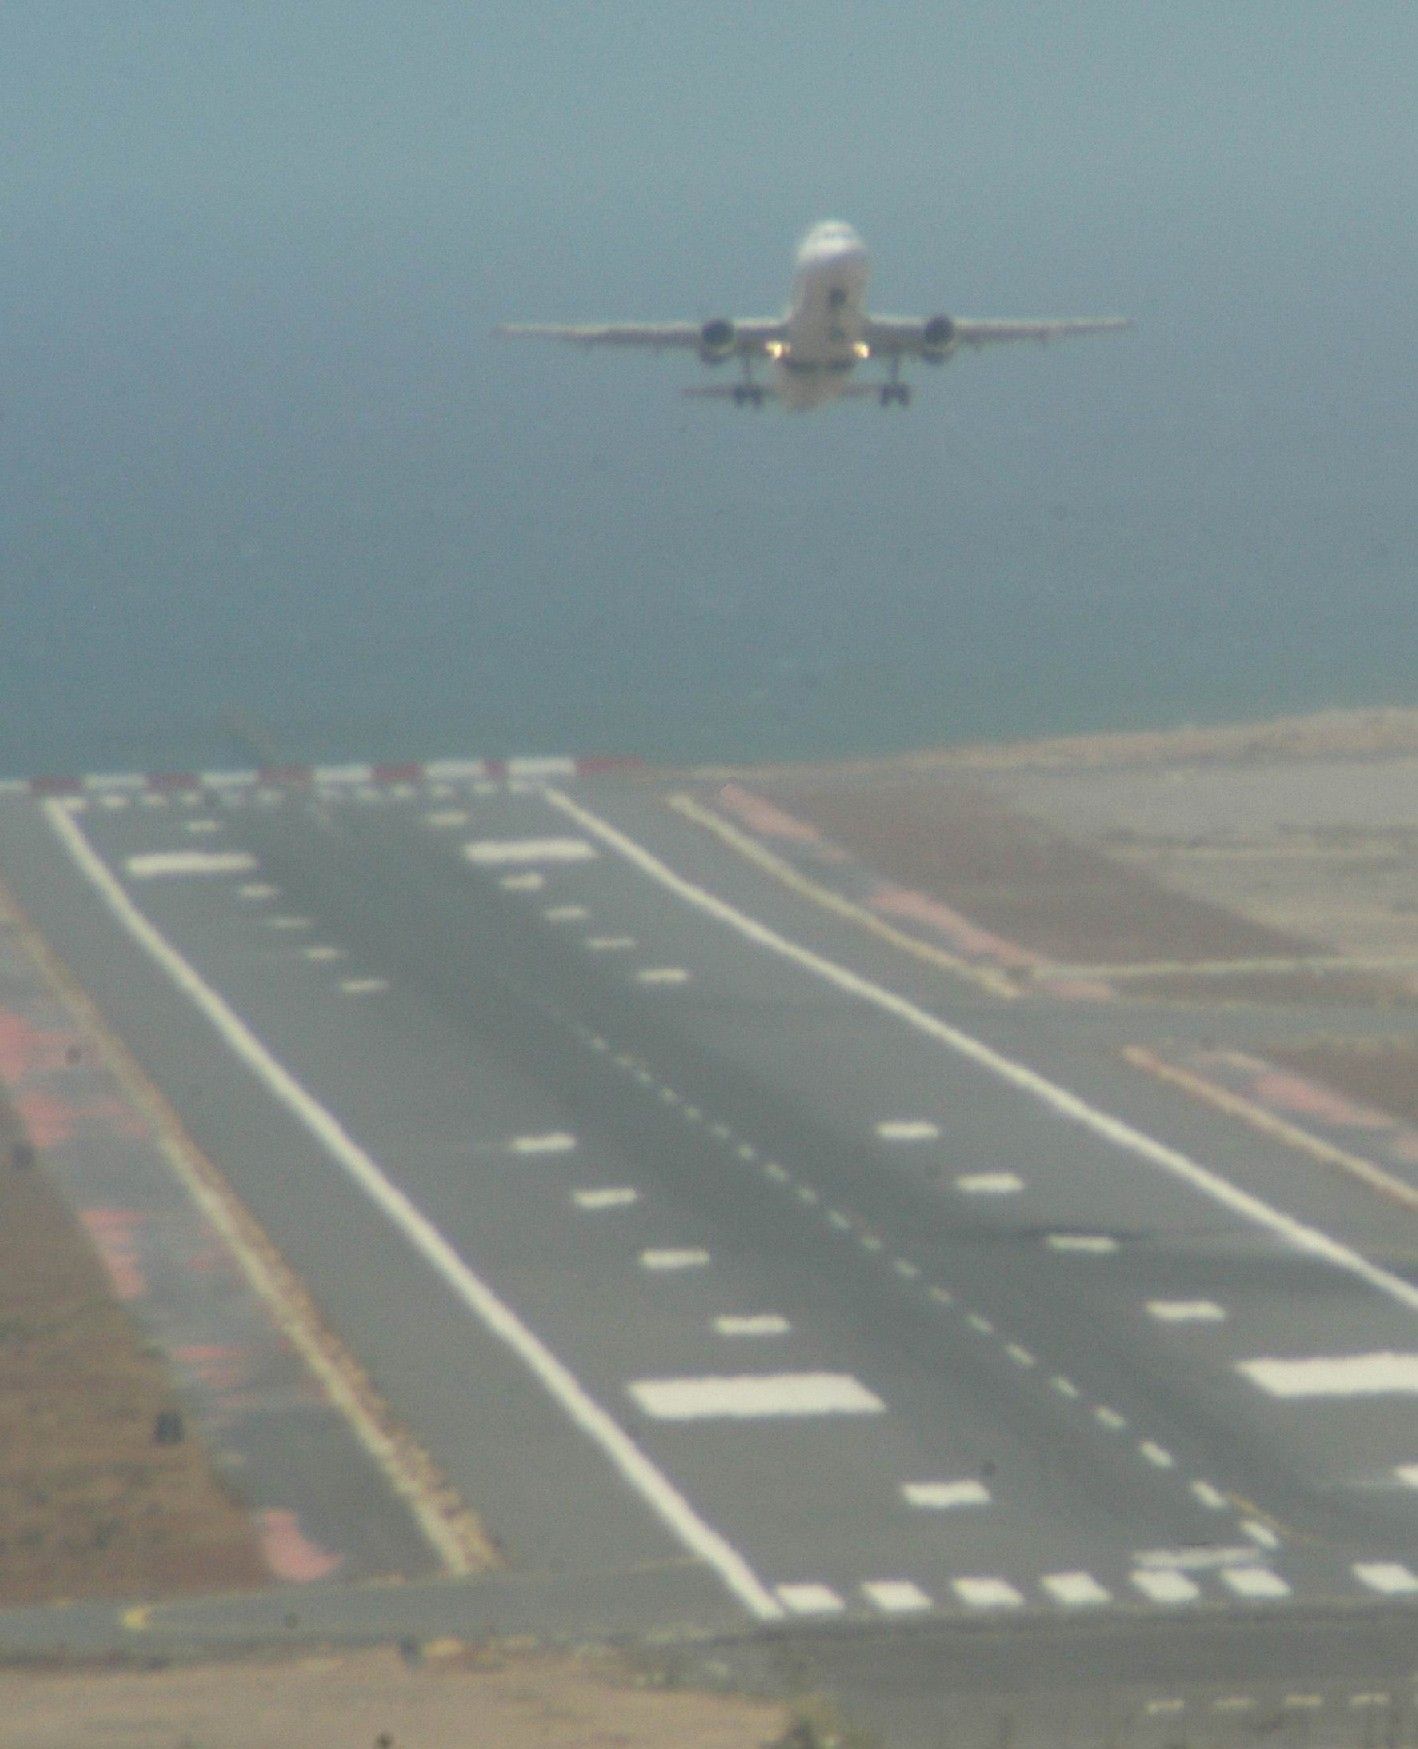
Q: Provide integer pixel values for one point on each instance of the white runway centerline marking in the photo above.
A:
(1407, 1474)
(1353, 1375)
(612, 1197)
(896, 1596)
(364, 986)
(754, 1396)
(987, 1593)
(1186, 1311)
(441, 819)
(1086, 1244)
(553, 1142)
(907, 1130)
(531, 882)
(157, 863)
(490, 852)
(754, 1324)
(810, 1599)
(610, 943)
(288, 922)
(258, 890)
(1075, 1590)
(945, 1496)
(989, 1183)
(1391, 1578)
(1163, 1586)
(1058, 1099)
(687, 1257)
(321, 951)
(201, 828)
(1254, 1582)
(662, 975)
(566, 913)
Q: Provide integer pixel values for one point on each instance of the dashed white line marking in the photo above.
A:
(157, 863)
(320, 951)
(987, 1593)
(779, 1174)
(754, 1396)
(945, 1496)
(1020, 1355)
(809, 1599)
(907, 1130)
(1109, 1417)
(553, 1142)
(691, 1113)
(363, 986)
(839, 1220)
(1157, 1455)
(488, 852)
(1234, 1703)
(153, 801)
(1303, 1702)
(989, 1183)
(258, 890)
(199, 828)
(979, 1322)
(896, 1596)
(873, 1242)
(442, 818)
(1163, 1586)
(668, 1096)
(531, 882)
(1407, 1474)
(609, 943)
(1090, 1244)
(746, 1151)
(942, 1296)
(1065, 1387)
(669, 1258)
(806, 1193)
(754, 1324)
(1260, 1533)
(1258, 1582)
(1156, 1708)
(1353, 1375)
(1391, 1578)
(612, 1197)
(287, 922)
(907, 1270)
(662, 975)
(1210, 1496)
(566, 913)
(1075, 1590)
(1373, 1697)
(1186, 1311)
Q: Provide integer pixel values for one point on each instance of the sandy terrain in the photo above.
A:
(373, 1700)
(90, 1504)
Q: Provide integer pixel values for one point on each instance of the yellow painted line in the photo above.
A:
(138, 1619)
(1366, 1171)
(995, 982)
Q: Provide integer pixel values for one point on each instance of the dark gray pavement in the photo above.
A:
(997, 1356)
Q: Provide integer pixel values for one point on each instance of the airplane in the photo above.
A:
(826, 332)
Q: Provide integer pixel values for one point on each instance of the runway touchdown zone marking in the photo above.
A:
(158, 863)
(1355, 1375)
(754, 1396)
(669, 1505)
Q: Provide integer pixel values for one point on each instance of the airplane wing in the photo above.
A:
(935, 336)
(719, 338)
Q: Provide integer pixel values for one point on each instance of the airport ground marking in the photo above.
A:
(987, 978)
(672, 1508)
(1060, 1100)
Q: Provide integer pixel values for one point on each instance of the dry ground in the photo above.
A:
(90, 1504)
(371, 1700)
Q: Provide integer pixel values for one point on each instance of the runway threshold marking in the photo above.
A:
(653, 1486)
(1058, 1099)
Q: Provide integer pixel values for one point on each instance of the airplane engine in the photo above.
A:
(716, 340)
(938, 340)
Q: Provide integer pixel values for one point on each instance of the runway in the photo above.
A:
(697, 1232)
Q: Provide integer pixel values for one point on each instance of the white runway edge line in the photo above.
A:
(1058, 1099)
(655, 1488)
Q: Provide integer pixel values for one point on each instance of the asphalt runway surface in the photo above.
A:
(738, 1269)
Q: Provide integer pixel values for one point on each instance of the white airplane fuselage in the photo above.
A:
(826, 317)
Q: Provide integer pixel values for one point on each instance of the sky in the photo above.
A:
(263, 460)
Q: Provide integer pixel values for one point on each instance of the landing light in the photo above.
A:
(861, 349)
(775, 349)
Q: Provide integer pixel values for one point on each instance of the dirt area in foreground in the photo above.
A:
(90, 1504)
(514, 1700)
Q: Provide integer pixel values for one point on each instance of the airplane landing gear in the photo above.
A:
(748, 395)
(899, 393)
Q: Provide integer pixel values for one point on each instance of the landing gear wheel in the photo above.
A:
(748, 394)
(900, 393)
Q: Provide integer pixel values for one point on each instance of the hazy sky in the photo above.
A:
(259, 450)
